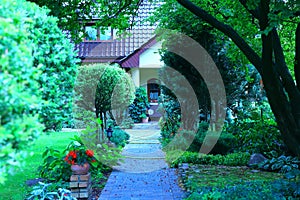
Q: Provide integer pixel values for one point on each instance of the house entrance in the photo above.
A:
(153, 91)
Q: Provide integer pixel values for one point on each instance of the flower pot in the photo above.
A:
(145, 120)
(80, 169)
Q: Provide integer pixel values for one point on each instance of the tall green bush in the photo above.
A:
(37, 73)
(53, 55)
(19, 89)
(138, 109)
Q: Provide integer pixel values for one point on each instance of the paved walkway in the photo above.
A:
(144, 175)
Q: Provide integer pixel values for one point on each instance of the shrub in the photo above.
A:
(281, 164)
(120, 137)
(256, 131)
(115, 91)
(20, 97)
(170, 121)
(85, 88)
(54, 55)
(82, 117)
(139, 106)
(127, 123)
(233, 159)
(225, 142)
(188, 140)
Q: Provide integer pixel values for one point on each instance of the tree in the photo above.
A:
(115, 91)
(236, 80)
(267, 34)
(73, 15)
(267, 20)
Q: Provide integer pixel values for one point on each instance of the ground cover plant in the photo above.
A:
(240, 182)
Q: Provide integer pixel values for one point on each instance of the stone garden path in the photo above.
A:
(144, 175)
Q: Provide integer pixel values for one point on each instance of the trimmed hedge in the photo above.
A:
(233, 159)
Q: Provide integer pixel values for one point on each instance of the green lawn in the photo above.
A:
(15, 187)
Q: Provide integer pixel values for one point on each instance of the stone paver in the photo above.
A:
(144, 175)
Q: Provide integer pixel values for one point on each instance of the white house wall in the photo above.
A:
(150, 64)
(151, 57)
(135, 74)
(147, 74)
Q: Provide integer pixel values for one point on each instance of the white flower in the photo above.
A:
(77, 144)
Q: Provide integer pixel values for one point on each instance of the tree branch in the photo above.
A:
(254, 13)
(227, 30)
(297, 57)
(282, 68)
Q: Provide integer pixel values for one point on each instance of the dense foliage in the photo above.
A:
(20, 96)
(57, 168)
(236, 80)
(138, 109)
(38, 69)
(54, 56)
(259, 30)
(119, 137)
(239, 85)
(73, 16)
(189, 140)
(277, 190)
(256, 131)
(232, 159)
(115, 91)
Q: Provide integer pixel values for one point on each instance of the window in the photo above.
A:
(96, 34)
(91, 33)
(106, 34)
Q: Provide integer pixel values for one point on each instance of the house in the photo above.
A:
(137, 53)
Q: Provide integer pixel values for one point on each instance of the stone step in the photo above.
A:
(145, 158)
(144, 142)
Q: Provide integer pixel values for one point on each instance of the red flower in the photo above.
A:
(89, 153)
(73, 154)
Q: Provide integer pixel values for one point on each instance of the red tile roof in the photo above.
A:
(118, 49)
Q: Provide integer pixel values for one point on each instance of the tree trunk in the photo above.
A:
(275, 77)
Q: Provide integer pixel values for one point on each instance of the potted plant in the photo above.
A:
(79, 158)
(144, 117)
(138, 109)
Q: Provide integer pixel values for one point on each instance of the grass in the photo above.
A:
(15, 187)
